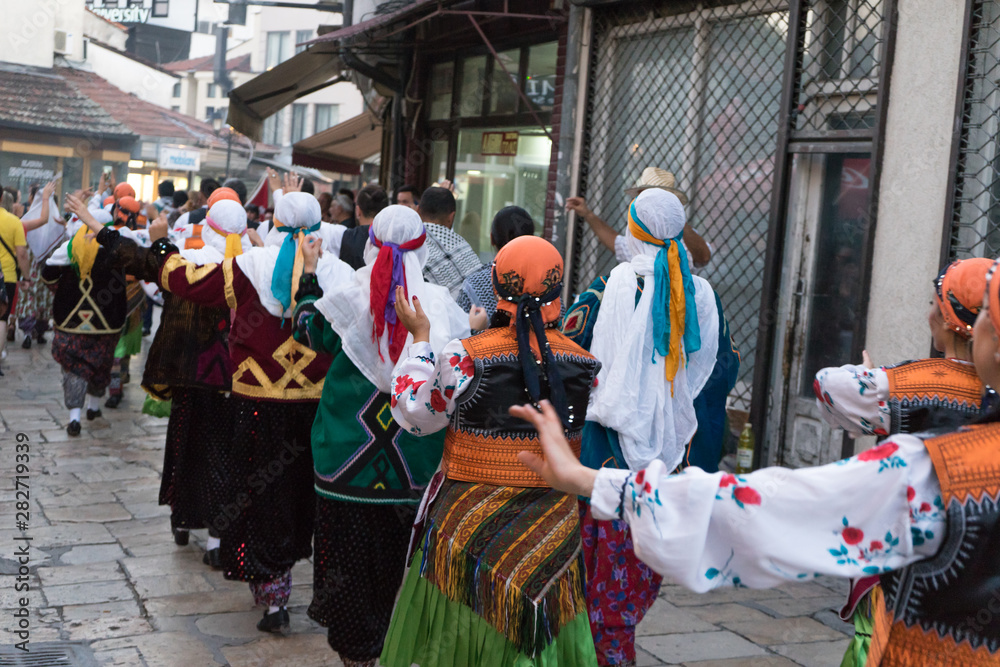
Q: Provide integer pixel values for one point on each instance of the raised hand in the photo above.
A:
(578, 205)
(291, 183)
(159, 228)
(479, 318)
(312, 250)
(559, 466)
(414, 319)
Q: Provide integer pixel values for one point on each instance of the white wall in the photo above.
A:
(104, 31)
(915, 179)
(147, 83)
(29, 32)
(69, 17)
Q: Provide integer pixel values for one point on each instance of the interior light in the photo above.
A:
(474, 172)
(136, 164)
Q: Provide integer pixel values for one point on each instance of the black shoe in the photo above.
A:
(40, 339)
(74, 428)
(181, 536)
(276, 622)
(113, 401)
(26, 343)
(93, 414)
(214, 558)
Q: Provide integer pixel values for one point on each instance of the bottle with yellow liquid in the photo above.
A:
(744, 451)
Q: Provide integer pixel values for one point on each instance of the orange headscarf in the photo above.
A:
(993, 295)
(123, 190)
(528, 265)
(959, 293)
(223, 193)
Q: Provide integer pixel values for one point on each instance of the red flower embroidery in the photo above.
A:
(925, 507)
(819, 391)
(852, 535)
(465, 365)
(910, 494)
(746, 495)
(639, 476)
(727, 480)
(883, 451)
(875, 546)
(392, 401)
(438, 404)
(449, 392)
(402, 382)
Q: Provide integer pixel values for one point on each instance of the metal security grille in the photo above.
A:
(974, 217)
(695, 91)
(836, 83)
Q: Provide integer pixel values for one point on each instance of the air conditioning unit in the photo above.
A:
(63, 42)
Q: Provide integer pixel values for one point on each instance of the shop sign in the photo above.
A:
(500, 143)
(178, 159)
(31, 170)
(121, 14)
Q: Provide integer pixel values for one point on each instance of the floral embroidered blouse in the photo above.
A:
(854, 398)
(425, 390)
(878, 511)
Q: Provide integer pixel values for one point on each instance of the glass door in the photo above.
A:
(818, 309)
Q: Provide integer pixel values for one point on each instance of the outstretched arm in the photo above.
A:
(870, 514)
(43, 217)
(603, 230)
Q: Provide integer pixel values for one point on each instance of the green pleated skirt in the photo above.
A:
(429, 630)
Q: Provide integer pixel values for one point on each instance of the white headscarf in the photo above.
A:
(295, 210)
(229, 216)
(653, 419)
(346, 302)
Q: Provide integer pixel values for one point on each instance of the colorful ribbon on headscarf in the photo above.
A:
(388, 272)
(675, 313)
(83, 251)
(527, 320)
(288, 268)
(234, 241)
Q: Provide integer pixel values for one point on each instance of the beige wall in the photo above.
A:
(146, 83)
(28, 34)
(915, 180)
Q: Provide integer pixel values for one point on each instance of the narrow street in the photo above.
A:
(109, 587)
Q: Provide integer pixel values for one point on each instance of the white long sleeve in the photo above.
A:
(878, 511)
(854, 398)
(425, 390)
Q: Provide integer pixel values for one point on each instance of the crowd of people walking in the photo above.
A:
(482, 473)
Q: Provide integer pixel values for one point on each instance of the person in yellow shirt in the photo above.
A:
(13, 257)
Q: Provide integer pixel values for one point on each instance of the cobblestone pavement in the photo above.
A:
(107, 577)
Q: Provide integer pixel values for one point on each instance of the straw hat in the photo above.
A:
(654, 177)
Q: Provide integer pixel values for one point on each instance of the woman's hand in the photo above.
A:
(158, 229)
(559, 466)
(413, 319)
(47, 191)
(866, 360)
(479, 319)
(255, 239)
(75, 205)
(291, 183)
(312, 250)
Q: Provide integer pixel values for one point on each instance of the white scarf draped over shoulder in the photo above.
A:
(654, 418)
(346, 301)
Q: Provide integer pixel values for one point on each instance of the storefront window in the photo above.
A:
(540, 86)
(503, 94)
(442, 77)
(439, 162)
(20, 170)
(487, 183)
(471, 93)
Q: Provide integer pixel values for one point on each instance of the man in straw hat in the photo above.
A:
(652, 177)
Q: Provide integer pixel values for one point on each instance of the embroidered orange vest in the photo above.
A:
(483, 440)
(933, 393)
(946, 610)
(194, 241)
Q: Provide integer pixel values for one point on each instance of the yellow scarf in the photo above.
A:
(83, 252)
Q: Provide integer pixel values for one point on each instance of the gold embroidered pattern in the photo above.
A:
(293, 385)
(227, 273)
(192, 272)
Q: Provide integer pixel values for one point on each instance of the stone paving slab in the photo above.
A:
(109, 574)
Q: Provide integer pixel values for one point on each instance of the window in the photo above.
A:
(470, 94)
(209, 113)
(327, 115)
(279, 48)
(175, 108)
(177, 89)
(212, 90)
(298, 122)
(302, 36)
(161, 8)
(442, 79)
(274, 127)
(503, 93)
(540, 84)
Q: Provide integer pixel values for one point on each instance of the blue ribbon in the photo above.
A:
(281, 279)
(661, 296)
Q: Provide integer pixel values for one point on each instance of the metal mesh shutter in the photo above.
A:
(974, 213)
(697, 93)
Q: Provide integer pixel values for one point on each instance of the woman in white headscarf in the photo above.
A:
(369, 474)
(656, 335)
(276, 386)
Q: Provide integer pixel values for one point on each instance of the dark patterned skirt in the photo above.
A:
(267, 522)
(198, 460)
(88, 356)
(358, 568)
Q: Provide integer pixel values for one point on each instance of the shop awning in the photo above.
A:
(343, 147)
(315, 68)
